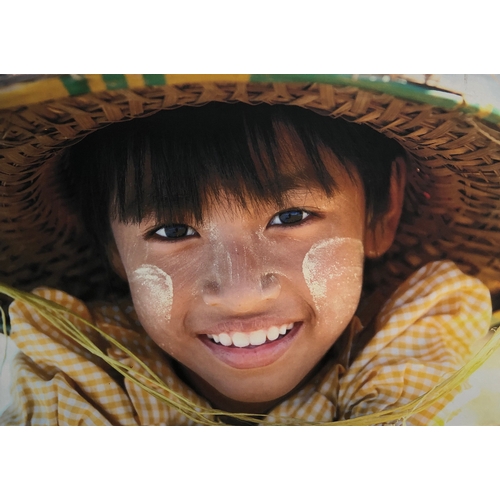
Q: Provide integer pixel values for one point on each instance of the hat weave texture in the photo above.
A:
(452, 203)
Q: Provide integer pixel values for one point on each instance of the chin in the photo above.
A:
(243, 391)
(257, 392)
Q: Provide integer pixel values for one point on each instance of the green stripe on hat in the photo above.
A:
(75, 85)
(151, 80)
(114, 82)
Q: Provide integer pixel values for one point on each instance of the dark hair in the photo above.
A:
(176, 162)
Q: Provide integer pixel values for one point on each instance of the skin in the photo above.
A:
(242, 271)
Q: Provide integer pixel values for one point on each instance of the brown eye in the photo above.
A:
(175, 231)
(289, 217)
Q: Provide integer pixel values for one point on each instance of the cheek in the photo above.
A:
(152, 293)
(333, 272)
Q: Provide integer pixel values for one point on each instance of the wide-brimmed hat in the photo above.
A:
(449, 126)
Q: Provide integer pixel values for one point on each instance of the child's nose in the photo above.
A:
(242, 296)
(239, 282)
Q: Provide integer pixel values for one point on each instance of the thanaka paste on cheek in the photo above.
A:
(330, 265)
(154, 286)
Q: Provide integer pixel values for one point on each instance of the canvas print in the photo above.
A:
(250, 249)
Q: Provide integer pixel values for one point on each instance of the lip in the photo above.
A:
(252, 356)
(245, 325)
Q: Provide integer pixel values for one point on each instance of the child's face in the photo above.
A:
(216, 296)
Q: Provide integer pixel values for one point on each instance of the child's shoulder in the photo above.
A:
(425, 331)
(49, 324)
(36, 308)
(438, 304)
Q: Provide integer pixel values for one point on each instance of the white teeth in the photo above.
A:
(273, 333)
(241, 339)
(258, 337)
(225, 339)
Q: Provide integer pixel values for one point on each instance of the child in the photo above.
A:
(251, 240)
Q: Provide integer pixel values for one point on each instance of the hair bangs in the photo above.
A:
(181, 163)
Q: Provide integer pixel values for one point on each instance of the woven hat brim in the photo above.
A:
(452, 202)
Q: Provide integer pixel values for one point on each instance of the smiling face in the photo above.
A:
(242, 233)
(250, 300)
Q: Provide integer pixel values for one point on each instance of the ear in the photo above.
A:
(116, 261)
(381, 232)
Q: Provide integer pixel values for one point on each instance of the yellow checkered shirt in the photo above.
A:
(423, 332)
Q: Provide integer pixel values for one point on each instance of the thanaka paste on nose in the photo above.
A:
(160, 290)
(226, 271)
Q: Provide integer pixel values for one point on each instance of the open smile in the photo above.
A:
(252, 349)
(255, 338)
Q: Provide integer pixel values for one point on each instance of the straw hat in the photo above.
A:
(448, 125)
